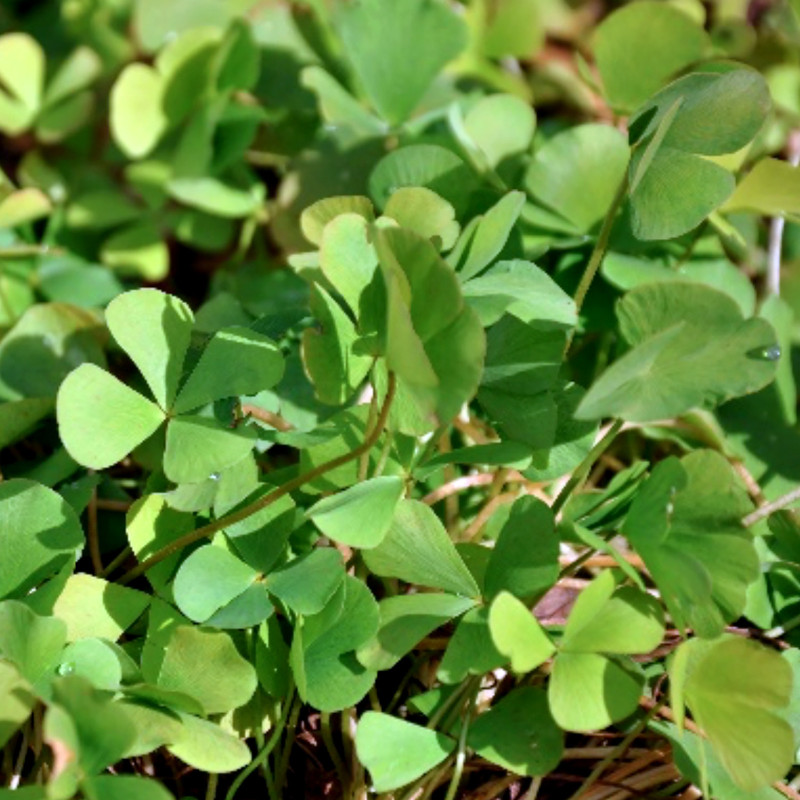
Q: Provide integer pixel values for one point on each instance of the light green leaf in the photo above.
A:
(78, 71)
(206, 746)
(666, 373)
(577, 173)
(524, 560)
(375, 38)
(94, 608)
(22, 69)
(138, 119)
(154, 329)
(417, 549)
(123, 787)
(99, 209)
(39, 532)
(405, 620)
(316, 217)
(491, 233)
(138, 250)
(497, 127)
(207, 666)
(685, 522)
(424, 212)
(236, 361)
(96, 660)
(214, 197)
(519, 734)
(588, 692)
(737, 689)
(198, 447)
(397, 752)
(100, 420)
(17, 701)
(361, 515)
(516, 633)
(641, 46)
(208, 580)
(23, 206)
(770, 189)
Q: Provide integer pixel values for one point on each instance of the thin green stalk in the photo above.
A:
(333, 752)
(117, 562)
(461, 753)
(268, 499)
(211, 790)
(618, 751)
(282, 765)
(585, 466)
(601, 245)
(263, 754)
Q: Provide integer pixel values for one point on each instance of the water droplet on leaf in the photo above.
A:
(214, 476)
(772, 353)
(67, 668)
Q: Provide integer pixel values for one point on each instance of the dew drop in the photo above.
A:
(771, 353)
(67, 668)
(214, 476)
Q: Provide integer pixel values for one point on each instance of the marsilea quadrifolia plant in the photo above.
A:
(500, 457)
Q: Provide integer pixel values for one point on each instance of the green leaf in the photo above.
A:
(138, 119)
(428, 165)
(215, 197)
(199, 447)
(32, 643)
(22, 70)
(325, 668)
(375, 38)
(424, 212)
(152, 525)
(98, 731)
(641, 46)
(685, 522)
(206, 746)
(666, 373)
(316, 217)
(588, 692)
(23, 206)
(100, 420)
(405, 620)
(208, 580)
(99, 209)
(306, 584)
(138, 251)
(625, 621)
(93, 607)
(39, 532)
(516, 633)
(521, 289)
(417, 549)
(524, 560)
(361, 515)
(123, 787)
(96, 660)
(471, 650)
(77, 72)
(207, 666)
(770, 189)
(397, 752)
(577, 173)
(491, 233)
(334, 368)
(17, 701)
(519, 734)
(678, 191)
(737, 689)
(236, 361)
(154, 329)
(495, 128)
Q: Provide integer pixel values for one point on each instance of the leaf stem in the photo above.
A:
(461, 753)
(769, 508)
(333, 752)
(268, 499)
(601, 245)
(263, 754)
(582, 470)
